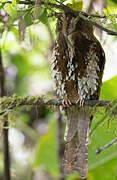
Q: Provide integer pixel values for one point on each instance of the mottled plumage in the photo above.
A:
(78, 63)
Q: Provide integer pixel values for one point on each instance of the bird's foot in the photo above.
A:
(81, 102)
(66, 102)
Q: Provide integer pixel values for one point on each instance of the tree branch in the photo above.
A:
(62, 7)
(9, 103)
(85, 16)
(109, 32)
(99, 150)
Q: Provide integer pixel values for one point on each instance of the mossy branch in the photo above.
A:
(9, 103)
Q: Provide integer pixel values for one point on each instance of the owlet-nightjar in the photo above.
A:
(78, 63)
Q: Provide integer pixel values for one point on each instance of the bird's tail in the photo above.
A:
(76, 137)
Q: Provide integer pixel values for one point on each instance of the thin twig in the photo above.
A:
(99, 150)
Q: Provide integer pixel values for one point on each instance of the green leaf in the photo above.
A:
(107, 11)
(76, 6)
(115, 26)
(109, 89)
(113, 5)
(14, 3)
(113, 20)
(1, 5)
(62, 1)
(113, 2)
(11, 10)
(27, 19)
(43, 16)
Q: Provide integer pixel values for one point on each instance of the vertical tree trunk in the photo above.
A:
(5, 130)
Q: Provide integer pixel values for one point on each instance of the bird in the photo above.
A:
(78, 61)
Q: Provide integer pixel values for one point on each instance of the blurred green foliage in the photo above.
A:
(46, 150)
(11, 9)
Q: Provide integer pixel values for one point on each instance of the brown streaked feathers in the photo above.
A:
(78, 63)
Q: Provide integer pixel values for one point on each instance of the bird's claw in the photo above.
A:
(66, 102)
(81, 102)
